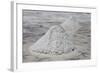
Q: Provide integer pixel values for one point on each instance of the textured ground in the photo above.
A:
(37, 23)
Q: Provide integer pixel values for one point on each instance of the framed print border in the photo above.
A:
(16, 36)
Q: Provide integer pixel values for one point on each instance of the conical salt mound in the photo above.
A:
(56, 41)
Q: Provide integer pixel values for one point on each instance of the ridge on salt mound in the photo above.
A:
(57, 40)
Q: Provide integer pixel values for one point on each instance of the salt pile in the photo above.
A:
(58, 39)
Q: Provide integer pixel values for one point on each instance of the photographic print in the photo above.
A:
(55, 35)
(52, 36)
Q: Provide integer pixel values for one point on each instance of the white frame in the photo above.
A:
(16, 59)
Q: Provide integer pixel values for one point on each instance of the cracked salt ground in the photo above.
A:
(59, 43)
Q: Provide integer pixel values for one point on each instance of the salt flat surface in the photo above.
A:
(37, 23)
